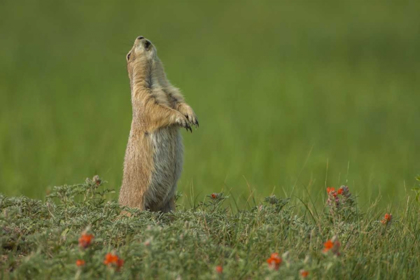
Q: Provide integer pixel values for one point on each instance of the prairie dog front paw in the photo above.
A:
(182, 120)
(188, 112)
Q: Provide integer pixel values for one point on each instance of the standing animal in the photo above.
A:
(154, 155)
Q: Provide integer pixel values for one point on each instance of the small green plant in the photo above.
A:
(341, 204)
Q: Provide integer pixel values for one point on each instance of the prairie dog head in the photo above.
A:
(141, 57)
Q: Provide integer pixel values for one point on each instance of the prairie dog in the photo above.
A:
(154, 155)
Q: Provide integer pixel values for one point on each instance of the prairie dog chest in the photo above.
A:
(167, 147)
(167, 162)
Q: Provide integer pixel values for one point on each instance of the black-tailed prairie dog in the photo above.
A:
(154, 156)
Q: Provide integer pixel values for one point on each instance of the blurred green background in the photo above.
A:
(290, 94)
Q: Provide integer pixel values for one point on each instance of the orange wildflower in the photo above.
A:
(328, 246)
(112, 259)
(332, 246)
(80, 263)
(329, 190)
(274, 261)
(85, 240)
(304, 273)
(387, 219)
(275, 256)
(219, 269)
(340, 191)
(214, 195)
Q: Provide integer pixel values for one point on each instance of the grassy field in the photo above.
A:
(292, 96)
(76, 233)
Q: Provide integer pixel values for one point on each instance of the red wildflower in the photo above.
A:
(387, 219)
(85, 240)
(120, 263)
(274, 261)
(219, 269)
(304, 273)
(340, 191)
(214, 195)
(112, 259)
(80, 262)
(329, 190)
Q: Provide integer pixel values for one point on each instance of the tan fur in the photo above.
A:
(154, 154)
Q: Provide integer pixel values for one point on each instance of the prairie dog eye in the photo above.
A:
(128, 56)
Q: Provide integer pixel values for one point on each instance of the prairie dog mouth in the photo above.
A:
(143, 41)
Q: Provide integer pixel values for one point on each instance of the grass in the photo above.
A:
(290, 95)
(41, 239)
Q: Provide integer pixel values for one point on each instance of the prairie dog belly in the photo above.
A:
(167, 162)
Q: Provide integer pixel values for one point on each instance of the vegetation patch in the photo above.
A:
(77, 233)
